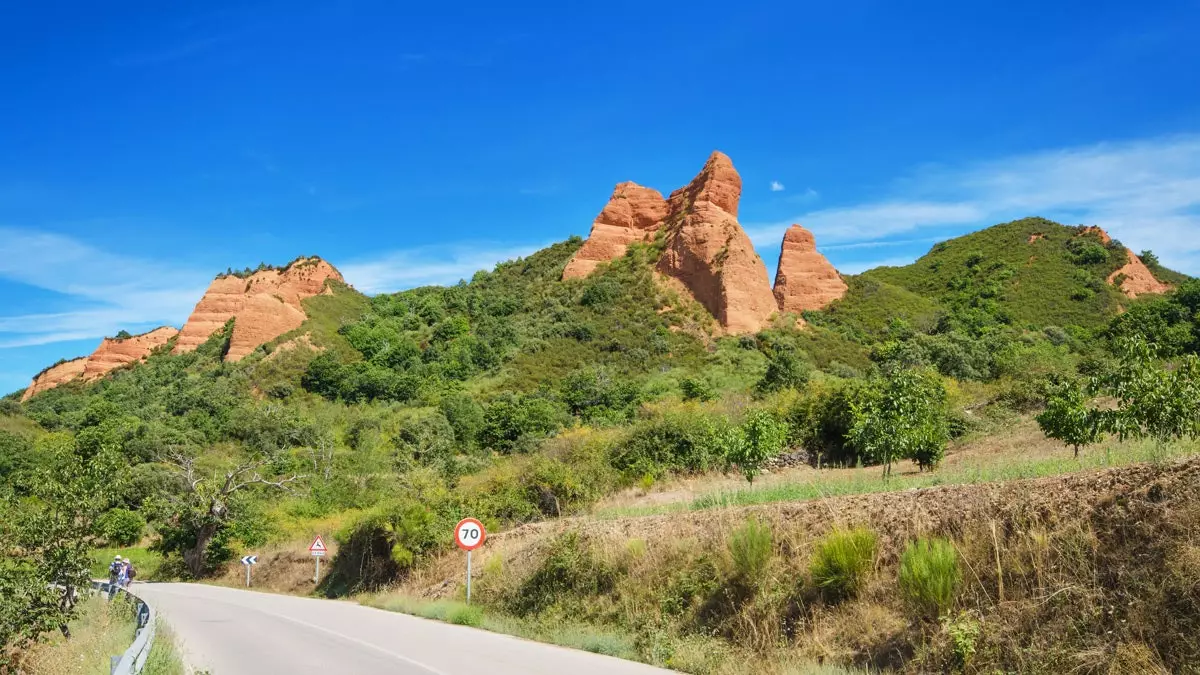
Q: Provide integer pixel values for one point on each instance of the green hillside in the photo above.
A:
(516, 397)
(1039, 273)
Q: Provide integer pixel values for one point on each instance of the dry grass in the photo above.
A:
(101, 630)
(1089, 572)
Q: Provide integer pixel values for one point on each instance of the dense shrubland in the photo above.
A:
(517, 397)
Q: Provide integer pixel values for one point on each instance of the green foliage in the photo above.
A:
(44, 539)
(964, 632)
(383, 544)
(571, 570)
(1029, 271)
(1152, 400)
(901, 416)
(465, 615)
(842, 562)
(930, 575)
(16, 454)
(1068, 417)
(750, 550)
(762, 437)
(121, 527)
(697, 388)
(512, 423)
(785, 370)
(821, 423)
(595, 393)
(684, 441)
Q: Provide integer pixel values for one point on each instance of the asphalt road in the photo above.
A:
(230, 632)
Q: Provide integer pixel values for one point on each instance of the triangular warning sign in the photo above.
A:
(318, 545)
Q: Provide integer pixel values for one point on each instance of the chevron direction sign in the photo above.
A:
(250, 560)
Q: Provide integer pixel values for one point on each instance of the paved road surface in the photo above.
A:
(230, 632)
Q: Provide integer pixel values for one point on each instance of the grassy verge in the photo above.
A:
(863, 482)
(164, 656)
(100, 631)
(693, 654)
(146, 562)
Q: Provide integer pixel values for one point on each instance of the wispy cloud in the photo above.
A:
(859, 266)
(426, 265)
(105, 292)
(170, 53)
(776, 186)
(1146, 193)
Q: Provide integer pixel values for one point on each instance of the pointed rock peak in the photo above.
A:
(805, 278)
(718, 182)
(633, 213)
(799, 238)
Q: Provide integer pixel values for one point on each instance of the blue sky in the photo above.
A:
(145, 146)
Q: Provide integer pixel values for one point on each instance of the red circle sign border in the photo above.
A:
(482, 534)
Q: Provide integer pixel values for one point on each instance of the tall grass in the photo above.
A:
(101, 630)
(869, 482)
(929, 575)
(750, 550)
(843, 561)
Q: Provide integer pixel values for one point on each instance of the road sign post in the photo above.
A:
(249, 561)
(317, 549)
(469, 535)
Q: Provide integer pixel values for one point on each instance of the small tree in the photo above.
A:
(1068, 418)
(785, 370)
(1152, 400)
(901, 416)
(762, 438)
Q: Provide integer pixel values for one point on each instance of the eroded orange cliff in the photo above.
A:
(116, 352)
(707, 253)
(54, 376)
(266, 305)
(805, 279)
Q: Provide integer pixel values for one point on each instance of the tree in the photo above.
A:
(45, 538)
(761, 437)
(1068, 417)
(202, 509)
(1152, 400)
(785, 369)
(901, 416)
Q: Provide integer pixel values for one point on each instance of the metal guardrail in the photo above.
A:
(134, 658)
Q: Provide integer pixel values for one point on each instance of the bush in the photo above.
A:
(785, 369)
(121, 527)
(750, 550)
(571, 570)
(697, 388)
(929, 575)
(762, 437)
(465, 615)
(686, 441)
(843, 560)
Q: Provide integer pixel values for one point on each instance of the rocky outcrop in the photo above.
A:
(633, 213)
(805, 279)
(54, 376)
(706, 254)
(266, 304)
(1134, 278)
(112, 353)
(116, 352)
(709, 253)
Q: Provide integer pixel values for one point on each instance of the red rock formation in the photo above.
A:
(54, 376)
(805, 279)
(709, 253)
(266, 305)
(116, 352)
(1137, 279)
(633, 213)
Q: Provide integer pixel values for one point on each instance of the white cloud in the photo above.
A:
(423, 266)
(776, 186)
(107, 292)
(1145, 193)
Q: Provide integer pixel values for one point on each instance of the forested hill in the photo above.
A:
(517, 395)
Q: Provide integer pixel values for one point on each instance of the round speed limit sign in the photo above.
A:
(469, 534)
